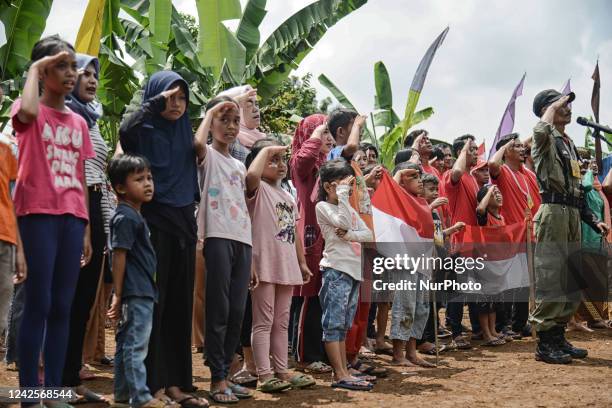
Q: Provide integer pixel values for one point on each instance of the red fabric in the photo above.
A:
(515, 201)
(306, 158)
(493, 221)
(427, 168)
(461, 198)
(391, 199)
(477, 241)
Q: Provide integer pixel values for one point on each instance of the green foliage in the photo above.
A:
(294, 100)
(287, 46)
(24, 21)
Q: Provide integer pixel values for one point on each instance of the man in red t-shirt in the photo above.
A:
(520, 190)
(461, 189)
(419, 142)
(517, 184)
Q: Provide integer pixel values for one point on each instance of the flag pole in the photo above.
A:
(435, 318)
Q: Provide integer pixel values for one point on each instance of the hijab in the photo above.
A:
(247, 137)
(91, 111)
(176, 178)
(303, 132)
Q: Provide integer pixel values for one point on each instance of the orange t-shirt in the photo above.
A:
(8, 173)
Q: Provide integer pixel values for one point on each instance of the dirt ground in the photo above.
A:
(505, 376)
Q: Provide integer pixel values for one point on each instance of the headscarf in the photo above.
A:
(247, 137)
(175, 183)
(303, 132)
(91, 111)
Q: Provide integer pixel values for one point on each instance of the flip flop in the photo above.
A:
(214, 395)
(353, 385)
(494, 342)
(87, 397)
(432, 351)
(184, 403)
(239, 391)
(378, 372)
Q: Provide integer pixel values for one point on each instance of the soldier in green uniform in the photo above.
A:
(557, 226)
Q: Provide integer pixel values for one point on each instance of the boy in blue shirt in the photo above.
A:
(133, 268)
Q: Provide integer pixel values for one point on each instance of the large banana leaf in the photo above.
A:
(24, 22)
(137, 9)
(248, 29)
(382, 83)
(287, 46)
(160, 14)
(331, 87)
(216, 43)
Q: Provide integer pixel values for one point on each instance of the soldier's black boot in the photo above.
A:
(567, 347)
(548, 350)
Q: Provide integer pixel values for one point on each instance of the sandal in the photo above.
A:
(366, 352)
(461, 343)
(239, 391)
(353, 384)
(432, 351)
(88, 396)
(273, 385)
(244, 378)
(300, 381)
(497, 341)
(185, 402)
(378, 372)
(318, 367)
(214, 395)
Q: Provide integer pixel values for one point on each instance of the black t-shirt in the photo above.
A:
(129, 231)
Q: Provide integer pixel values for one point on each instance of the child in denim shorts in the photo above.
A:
(343, 230)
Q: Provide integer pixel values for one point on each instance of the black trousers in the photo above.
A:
(85, 294)
(308, 345)
(228, 272)
(168, 361)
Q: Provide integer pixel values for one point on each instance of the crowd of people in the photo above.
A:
(251, 251)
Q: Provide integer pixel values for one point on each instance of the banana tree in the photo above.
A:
(24, 22)
(383, 114)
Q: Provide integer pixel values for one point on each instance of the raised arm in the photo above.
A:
(256, 169)
(497, 160)
(130, 126)
(361, 234)
(461, 164)
(28, 110)
(201, 136)
(352, 144)
(484, 203)
(306, 157)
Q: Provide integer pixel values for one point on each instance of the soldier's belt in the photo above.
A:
(558, 198)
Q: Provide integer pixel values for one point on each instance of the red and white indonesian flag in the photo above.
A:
(503, 251)
(402, 223)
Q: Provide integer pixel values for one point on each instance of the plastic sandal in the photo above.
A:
(239, 391)
(495, 342)
(317, 367)
(274, 385)
(299, 381)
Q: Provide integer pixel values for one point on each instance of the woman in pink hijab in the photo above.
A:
(250, 119)
(311, 144)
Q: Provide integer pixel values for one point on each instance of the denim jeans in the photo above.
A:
(14, 324)
(339, 296)
(132, 345)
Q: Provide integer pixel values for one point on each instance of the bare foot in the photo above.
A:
(402, 362)
(574, 326)
(416, 360)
